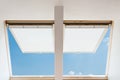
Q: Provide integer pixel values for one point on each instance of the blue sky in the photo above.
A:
(73, 63)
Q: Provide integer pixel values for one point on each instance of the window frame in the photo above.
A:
(51, 22)
(8, 50)
(65, 78)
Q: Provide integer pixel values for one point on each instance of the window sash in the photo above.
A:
(14, 22)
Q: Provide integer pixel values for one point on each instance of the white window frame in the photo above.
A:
(58, 44)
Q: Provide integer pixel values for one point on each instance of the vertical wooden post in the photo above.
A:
(58, 42)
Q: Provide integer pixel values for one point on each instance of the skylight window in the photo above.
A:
(82, 49)
(35, 39)
(87, 50)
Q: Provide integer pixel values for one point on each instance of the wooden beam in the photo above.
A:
(67, 22)
(31, 78)
(65, 78)
(85, 78)
(29, 22)
(87, 22)
(58, 27)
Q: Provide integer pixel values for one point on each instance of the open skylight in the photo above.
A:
(35, 39)
(85, 38)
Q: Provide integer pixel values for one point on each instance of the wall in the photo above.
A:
(73, 9)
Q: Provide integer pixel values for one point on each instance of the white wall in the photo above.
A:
(74, 9)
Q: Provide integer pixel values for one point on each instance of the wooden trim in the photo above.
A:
(65, 78)
(110, 47)
(67, 22)
(7, 49)
(31, 78)
(29, 22)
(85, 78)
(88, 22)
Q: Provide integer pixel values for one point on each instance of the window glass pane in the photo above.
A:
(85, 50)
(34, 39)
(38, 44)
